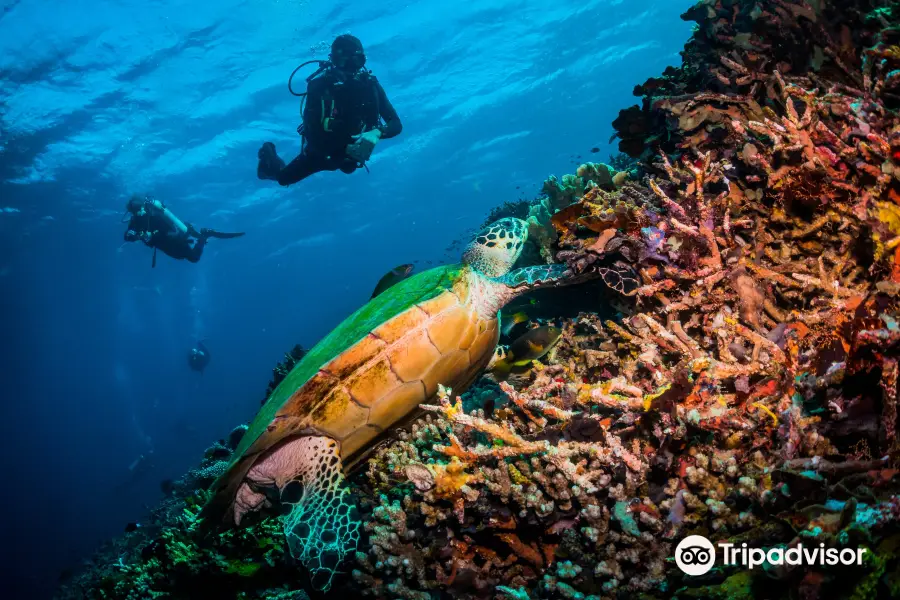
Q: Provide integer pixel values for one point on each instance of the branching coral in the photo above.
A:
(590, 178)
(756, 265)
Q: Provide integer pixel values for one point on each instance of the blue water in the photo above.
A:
(102, 99)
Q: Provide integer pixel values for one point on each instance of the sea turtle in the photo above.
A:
(371, 373)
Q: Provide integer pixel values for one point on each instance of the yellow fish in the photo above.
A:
(509, 323)
(530, 346)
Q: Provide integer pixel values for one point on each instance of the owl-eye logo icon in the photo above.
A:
(695, 555)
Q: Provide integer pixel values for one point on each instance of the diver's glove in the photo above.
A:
(364, 144)
(145, 236)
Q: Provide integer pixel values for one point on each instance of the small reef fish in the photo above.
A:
(509, 323)
(500, 354)
(530, 346)
(392, 277)
(653, 237)
(523, 305)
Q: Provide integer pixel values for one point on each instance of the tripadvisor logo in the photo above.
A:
(695, 555)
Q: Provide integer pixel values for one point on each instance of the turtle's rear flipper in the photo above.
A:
(322, 527)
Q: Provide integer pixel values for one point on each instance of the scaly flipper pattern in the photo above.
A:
(323, 525)
(536, 276)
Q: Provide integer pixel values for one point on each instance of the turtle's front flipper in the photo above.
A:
(322, 526)
(529, 278)
(502, 289)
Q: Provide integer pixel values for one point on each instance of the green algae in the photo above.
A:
(736, 587)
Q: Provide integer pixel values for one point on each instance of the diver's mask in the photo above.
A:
(136, 206)
(349, 64)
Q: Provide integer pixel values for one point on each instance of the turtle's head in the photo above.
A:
(497, 247)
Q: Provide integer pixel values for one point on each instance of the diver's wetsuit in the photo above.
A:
(155, 225)
(158, 233)
(336, 110)
(163, 236)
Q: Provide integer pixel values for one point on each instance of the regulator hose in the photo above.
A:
(323, 64)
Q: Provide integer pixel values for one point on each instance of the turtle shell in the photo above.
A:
(375, 369)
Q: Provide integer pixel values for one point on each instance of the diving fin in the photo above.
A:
(222, 235)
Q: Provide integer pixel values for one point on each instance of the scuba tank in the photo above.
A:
(160, 208)
(144, 206)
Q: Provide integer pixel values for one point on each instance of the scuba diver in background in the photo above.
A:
(137, 470)
(155, 225)
(345, 113)
(198, 357)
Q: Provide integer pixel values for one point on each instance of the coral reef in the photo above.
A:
(746, 390)
(558, 194)
(747, 393)
(517, 209)
(166, 557)
(282, 369)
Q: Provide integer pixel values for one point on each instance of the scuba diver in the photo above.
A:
(198, 357)
(155, 225)
(345, 113)
(137, 470)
